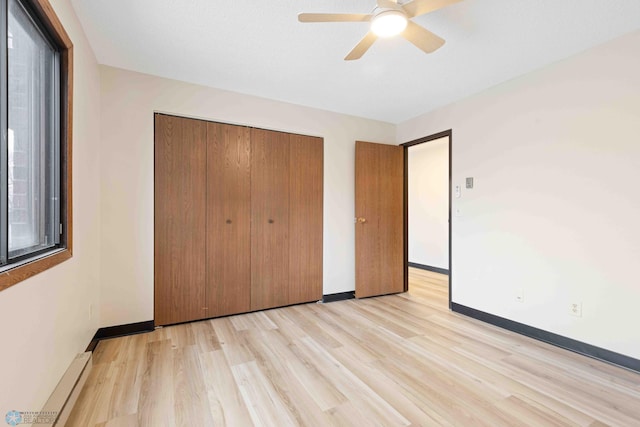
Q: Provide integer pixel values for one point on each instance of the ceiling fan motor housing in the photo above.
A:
(388, 22)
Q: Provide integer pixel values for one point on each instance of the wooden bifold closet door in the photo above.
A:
(180, 206)
(305, 218)
(228, 228)
(269, 219)
(238, 219)
(286, 219)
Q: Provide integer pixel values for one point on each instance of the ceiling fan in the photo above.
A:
(388, 19)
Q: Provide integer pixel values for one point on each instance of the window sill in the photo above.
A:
(15, 273)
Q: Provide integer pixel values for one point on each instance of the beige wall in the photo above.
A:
(428, 203)
(45, 321)
(554, 212)
(128, 102)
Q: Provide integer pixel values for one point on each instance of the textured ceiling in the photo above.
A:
(259, 47)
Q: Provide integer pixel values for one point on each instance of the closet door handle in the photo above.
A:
(270, 221)
(228, 221)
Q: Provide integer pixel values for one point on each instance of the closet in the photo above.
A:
(238, 219)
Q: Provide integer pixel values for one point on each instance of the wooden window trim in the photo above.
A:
(48, 17)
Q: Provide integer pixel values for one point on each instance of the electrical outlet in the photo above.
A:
(575, 309)
(520, 295)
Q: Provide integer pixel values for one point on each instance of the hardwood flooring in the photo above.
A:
(389, 361)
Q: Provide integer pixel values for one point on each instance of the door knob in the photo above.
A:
(361, 220)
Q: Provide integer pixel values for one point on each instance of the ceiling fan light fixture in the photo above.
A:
(389, 23)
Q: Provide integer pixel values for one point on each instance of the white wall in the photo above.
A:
(45, 320)
(428, 167)
(128, 102)
(556, 160)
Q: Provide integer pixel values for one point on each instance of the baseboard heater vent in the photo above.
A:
(61, 401)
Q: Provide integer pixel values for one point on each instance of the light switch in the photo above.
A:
(470, 182)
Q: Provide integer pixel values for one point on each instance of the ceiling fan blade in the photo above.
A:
(422, 38)
(362, 46)
(334, 17)
(420, 7)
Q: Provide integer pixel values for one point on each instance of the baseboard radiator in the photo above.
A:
(61, 401)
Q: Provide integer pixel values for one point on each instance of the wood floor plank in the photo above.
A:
(226, 404)
(261, 398)
(389, 389)
(156, 404)
(396, 360)
(231, 341)
(303, 393)
(301, 370)
(130, 364)
(205, 336)
(122, 421)
(538, 398)
(353, 388)
(530, 415)
(191, 401)
(92, 406)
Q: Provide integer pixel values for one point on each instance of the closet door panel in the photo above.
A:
(269, 219)
(305, 219)
(179, 243)
(228, 229)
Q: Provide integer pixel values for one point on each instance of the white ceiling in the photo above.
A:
(258, 47)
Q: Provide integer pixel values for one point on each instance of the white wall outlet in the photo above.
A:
(520, 295)
(575, 309)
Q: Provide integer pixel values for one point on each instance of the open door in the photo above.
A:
(380, 263)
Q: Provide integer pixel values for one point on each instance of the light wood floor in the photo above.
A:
(387, 361)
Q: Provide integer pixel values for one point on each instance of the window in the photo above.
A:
(35, 81)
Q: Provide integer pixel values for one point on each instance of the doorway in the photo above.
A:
(427, 212)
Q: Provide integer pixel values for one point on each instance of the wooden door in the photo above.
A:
(379, 224)
(305, 219)
(270, 155)
(228, 231)
(179, 243)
